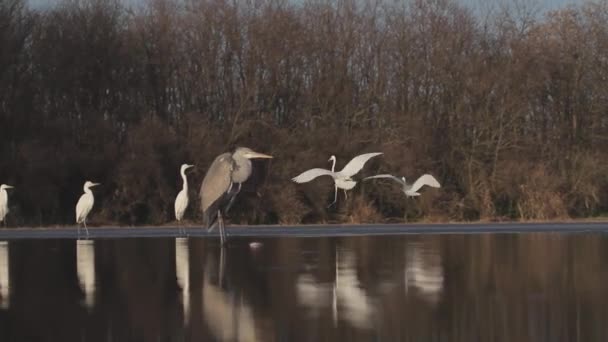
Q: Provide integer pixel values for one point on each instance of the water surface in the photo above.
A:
(475, 287)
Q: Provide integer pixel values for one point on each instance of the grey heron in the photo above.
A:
(227, 169)
(411, 190)
(4, 201)
(181, 201)
(84, 206)
(342, 179)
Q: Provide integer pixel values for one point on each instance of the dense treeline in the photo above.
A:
(508, 110)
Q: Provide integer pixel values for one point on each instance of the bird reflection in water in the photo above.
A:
(347, 298)
(423, 271)
(85, 268)
(227, 314)
(5, 289)
(182, 270)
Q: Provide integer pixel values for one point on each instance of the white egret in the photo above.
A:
(411, 190)
(84, 206)
(342, 179)
(181, 201)
(4, 201)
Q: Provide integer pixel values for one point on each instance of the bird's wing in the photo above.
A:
(396, 179)
(425, 179)
(181, 203)
(84, 205)
(216, 183)
(311, 174)
(357, 163)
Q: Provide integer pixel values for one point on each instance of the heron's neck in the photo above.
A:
(87, 190)
(333, 164)
(185, 186)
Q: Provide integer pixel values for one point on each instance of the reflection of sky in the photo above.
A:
(542, 5)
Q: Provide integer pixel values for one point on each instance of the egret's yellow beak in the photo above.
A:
(252, 155)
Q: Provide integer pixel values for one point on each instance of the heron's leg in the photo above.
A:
(222, 266)
(345, 195)
(220, 221)
(78, 227)
(335, 196)
(233, 197)
(212, 226)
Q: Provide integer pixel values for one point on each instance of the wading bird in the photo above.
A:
(411, 190)
(216, 190)
(4, 201)
(342, 179)
(181, 201)
(84, 206)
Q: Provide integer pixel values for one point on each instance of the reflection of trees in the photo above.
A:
(225, 312)
(424, 271)
(533, 287)
(346, 297)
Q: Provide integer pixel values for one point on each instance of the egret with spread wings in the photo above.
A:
(411, 190)
(217, 188)
(342, 179)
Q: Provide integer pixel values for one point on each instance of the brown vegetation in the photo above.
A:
(509, 112)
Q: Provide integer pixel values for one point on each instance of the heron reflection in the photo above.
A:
(424, 271)
(5, 289)
(226, 313)
(182, 270)
(85, 268)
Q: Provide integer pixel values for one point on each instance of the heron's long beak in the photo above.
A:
(95, 184)
(252, 155)
(9, 187)
(189, 166)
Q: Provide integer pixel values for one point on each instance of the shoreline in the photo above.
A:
(312, 230)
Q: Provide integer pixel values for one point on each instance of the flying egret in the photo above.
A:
(342, 179)
(4, 201)
(411, 190)
(226, 169)
(181, 201)
(84, 206)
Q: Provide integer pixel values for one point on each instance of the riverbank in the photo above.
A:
(336, 230)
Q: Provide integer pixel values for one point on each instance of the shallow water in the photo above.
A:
(484, 287)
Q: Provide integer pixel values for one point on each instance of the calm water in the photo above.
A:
(530, 287)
